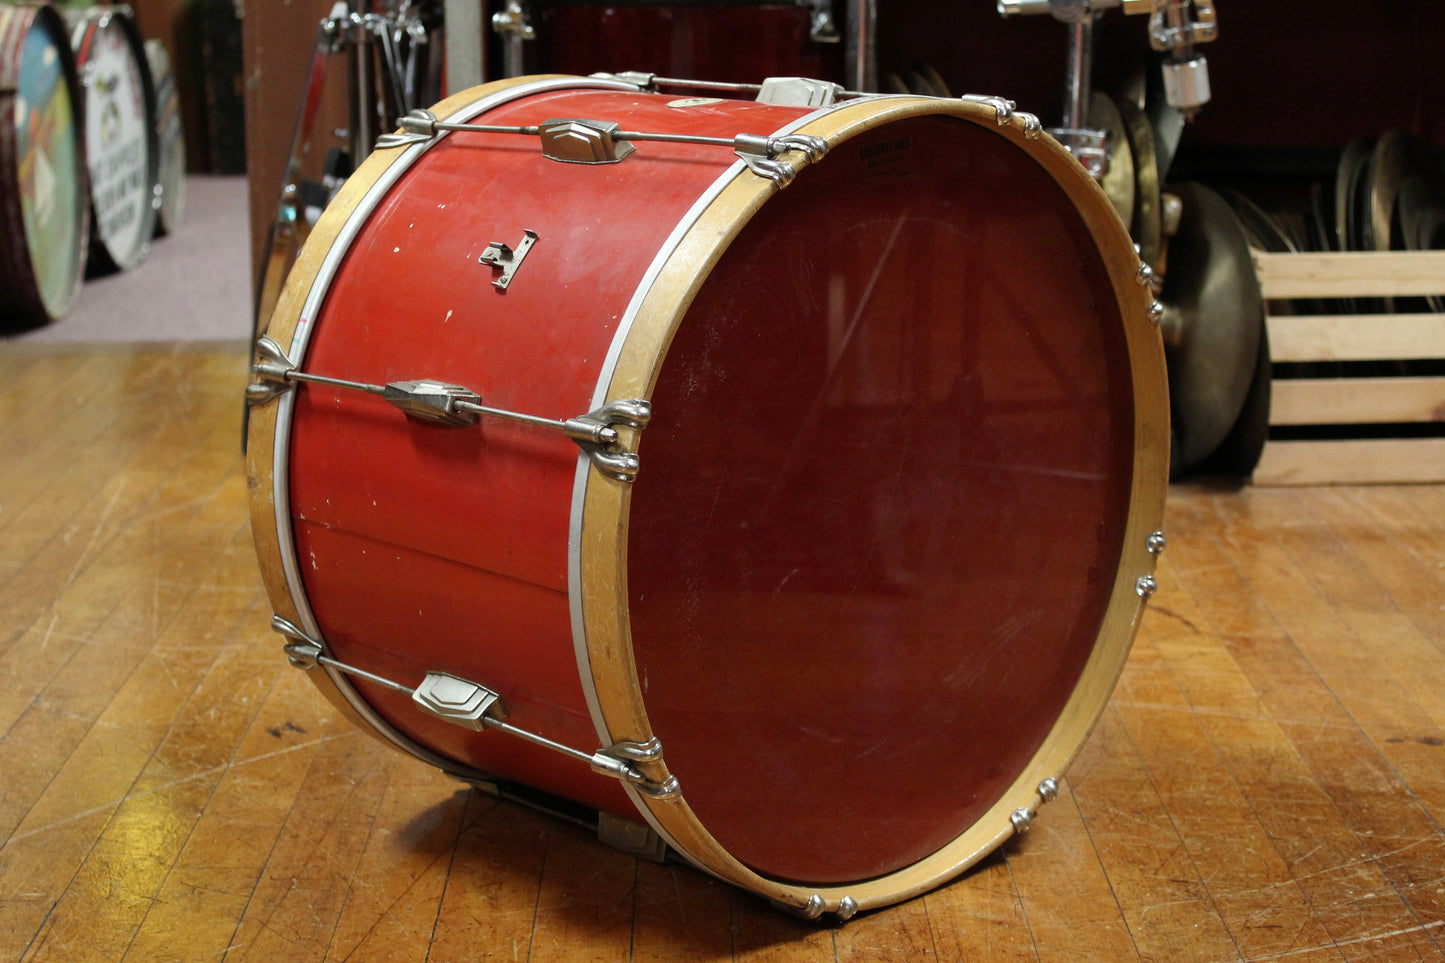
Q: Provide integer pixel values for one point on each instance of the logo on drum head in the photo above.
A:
(694, 102)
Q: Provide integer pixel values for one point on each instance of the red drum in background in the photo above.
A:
(795, 492)
(44, 216)
(720, 40)
(120, 135)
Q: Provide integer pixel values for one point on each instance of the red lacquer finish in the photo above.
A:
(740, 43)
(425, 547)
(880, 520)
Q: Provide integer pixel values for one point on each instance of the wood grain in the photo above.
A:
(1268, 782)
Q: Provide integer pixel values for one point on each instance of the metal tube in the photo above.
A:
(1079, 78)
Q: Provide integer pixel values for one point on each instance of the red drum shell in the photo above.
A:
(877, 574)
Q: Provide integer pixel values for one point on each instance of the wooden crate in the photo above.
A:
(1381, 401)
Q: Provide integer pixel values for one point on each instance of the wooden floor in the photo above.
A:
(1267, 784)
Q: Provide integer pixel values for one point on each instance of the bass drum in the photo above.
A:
(821, 518)
(718, 40)
(44, 213)
(120, 136)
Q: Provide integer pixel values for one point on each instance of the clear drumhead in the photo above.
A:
(885, 491)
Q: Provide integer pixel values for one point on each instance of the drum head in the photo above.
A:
(883, 502)
(120, 139)
(49, 172)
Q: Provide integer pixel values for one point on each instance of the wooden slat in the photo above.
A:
(1355, 401)
(1353, 462)
(1356, 337)
(1351, 274)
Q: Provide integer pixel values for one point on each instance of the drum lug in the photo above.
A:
(1005, 110)
(417, 127)
(798, 92)
(499, 255)
(433, 401)
(575, 141)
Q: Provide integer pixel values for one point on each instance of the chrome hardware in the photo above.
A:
(439, 402)
(1186, 83)
(499, 255)
(1087, 145)
(457, 700)
(1003, 108)
(847, 907)
(1175, 27)
(759, 154)
(1156, 543)
(1146, 587)
(824, 28)
(575, 141)
(1172, 28)
(473, 706)
(512, 25)
(1145, 275)
(433, 401)
(1155, 313)
(1049, 789)
(798, 92)
(813, 908)
(1066, 9)
(417, 126)
(1022, 819)
(578, 141)
(271, 367)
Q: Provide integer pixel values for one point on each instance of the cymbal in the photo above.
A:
(1147, 225)
(1212, 288)
(1119, 180)
(1353, 161)
(1397, 157)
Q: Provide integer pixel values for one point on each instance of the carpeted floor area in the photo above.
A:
(194, 286)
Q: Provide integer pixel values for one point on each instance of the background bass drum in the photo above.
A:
(120, 136)
(720, 40)
(889, 532)
(44, 213)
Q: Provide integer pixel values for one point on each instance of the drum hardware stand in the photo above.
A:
(824, 28)
(861, 55)
(578, 141)
(360, 34)
(438, 402)
(1175, 26)
(513, 25)
(473, 706)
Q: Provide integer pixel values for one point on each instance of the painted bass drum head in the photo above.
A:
(43, 197)
(120, 137)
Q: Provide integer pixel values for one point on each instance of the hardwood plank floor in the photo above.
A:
(1267, 784)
